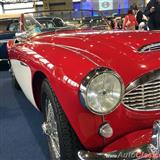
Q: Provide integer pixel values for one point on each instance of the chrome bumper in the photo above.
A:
(146, 152)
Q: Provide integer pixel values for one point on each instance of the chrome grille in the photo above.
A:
(145, 96)
(150, 47)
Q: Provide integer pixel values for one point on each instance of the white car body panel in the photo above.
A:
(23, 76)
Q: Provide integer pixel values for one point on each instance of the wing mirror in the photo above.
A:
(21, 35)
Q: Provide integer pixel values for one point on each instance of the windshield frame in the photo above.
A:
(23, 28)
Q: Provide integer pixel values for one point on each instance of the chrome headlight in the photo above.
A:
(101, 91)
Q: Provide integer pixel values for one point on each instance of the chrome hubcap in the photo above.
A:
(50, 129)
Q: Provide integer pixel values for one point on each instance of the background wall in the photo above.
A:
(57, 4)
(140, 3)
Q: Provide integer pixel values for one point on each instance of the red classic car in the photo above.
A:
(99, 90)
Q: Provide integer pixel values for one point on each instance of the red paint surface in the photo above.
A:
(132, 140)
(74, 55)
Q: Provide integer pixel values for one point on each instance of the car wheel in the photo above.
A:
(62, 141)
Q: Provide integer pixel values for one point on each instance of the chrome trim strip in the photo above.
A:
(124, 154)
(84, 85)
(151, 76)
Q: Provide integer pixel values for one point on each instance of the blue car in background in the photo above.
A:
(4, 37)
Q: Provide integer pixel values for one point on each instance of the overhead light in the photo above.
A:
(76, 0)
(18, 1)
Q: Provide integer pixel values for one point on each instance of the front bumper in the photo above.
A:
(145, 152)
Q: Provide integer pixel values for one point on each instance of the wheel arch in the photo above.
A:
(36, 85)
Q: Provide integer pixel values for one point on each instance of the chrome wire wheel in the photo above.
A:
(62, 141)
(51, 130)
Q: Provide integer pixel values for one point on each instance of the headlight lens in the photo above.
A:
(102, 92)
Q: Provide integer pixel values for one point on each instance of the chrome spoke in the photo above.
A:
(55, 146)
(50, 129)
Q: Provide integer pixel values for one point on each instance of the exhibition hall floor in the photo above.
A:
(21, 136)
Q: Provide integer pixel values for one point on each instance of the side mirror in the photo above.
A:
(21, 35)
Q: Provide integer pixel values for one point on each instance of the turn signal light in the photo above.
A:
(106, 130)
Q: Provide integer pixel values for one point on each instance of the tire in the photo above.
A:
(67, 144)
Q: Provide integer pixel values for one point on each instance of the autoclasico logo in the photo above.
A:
(133, 155)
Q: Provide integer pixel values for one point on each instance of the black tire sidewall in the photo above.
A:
(69, 143)
(46, 92)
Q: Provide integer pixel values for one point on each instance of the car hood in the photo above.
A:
(110, 39)
(120, 51)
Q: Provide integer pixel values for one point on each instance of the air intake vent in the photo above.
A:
(150, 47)
(144, 93)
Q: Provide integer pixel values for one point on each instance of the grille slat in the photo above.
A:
(141, 105)
(153, 83)
(144, 97)
(150, 91)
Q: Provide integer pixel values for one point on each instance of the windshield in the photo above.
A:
(64, 20)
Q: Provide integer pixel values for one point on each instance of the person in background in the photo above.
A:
(140, 17)
(152, 11)
(118, 23)
(130, 21)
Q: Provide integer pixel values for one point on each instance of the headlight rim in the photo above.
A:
(88, 79)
